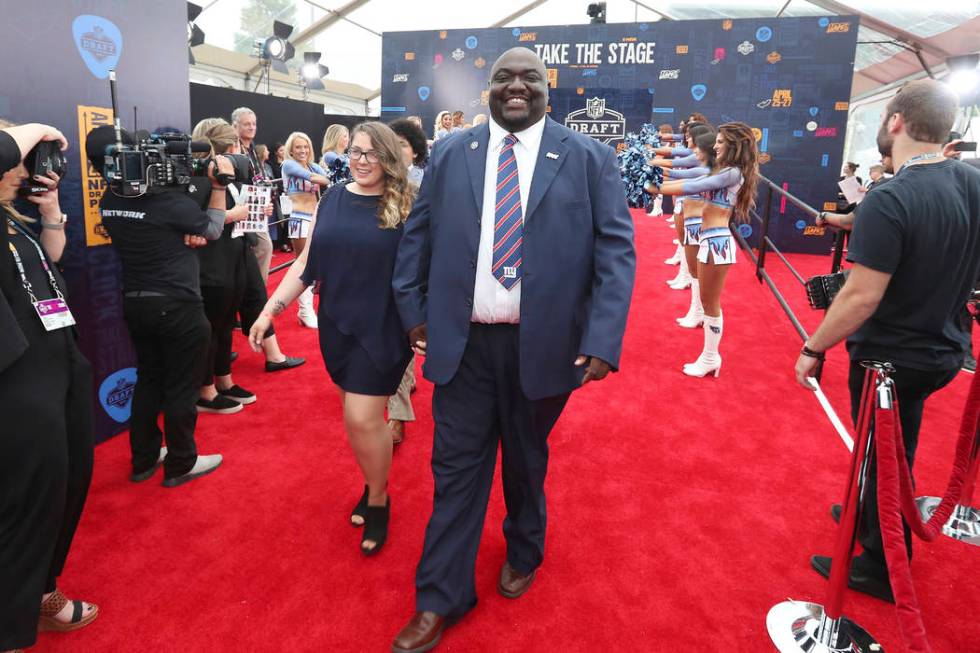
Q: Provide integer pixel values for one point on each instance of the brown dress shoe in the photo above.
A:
(512, 584)
(422, 633)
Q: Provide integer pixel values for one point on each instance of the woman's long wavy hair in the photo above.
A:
(398, 194)
(8, 206)
(741, 153)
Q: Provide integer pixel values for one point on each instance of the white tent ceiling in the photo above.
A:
(896, 37)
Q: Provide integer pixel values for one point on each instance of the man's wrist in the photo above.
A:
(811, 353)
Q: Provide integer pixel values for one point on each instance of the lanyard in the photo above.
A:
(20, 264)
(253, 158)
(920, 157)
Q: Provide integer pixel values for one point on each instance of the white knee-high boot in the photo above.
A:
(678, 255)
(305, 311)
(657, 209)
(683, 278)
(695, 314)
(709, 360)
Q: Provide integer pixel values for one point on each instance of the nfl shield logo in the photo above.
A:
(595, 108)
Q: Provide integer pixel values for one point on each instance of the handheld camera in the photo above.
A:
(153, 162)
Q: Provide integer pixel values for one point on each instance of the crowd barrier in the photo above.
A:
(797, 626)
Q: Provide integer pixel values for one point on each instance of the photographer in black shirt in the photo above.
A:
(916, 255)
(46, 440)
(153, 235)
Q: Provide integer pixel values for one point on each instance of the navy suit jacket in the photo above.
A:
(578, 258)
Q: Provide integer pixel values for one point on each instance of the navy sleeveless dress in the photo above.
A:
(364, 346)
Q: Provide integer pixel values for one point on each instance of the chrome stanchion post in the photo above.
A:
(804, 627)
(964, 523)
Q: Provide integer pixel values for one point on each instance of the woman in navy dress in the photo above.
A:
(356, 231)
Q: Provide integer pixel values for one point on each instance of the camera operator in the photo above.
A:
(916, 256)
(47, 440)
(163, 310)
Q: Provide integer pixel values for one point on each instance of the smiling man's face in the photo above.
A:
(518, 89)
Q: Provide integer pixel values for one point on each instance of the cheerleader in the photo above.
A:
(693, 209)
(682, 157)
(729, 193)
(302, 180)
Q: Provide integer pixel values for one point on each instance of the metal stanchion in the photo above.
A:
(803, 627)
(964, 524)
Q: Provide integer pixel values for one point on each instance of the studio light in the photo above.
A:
(312, 72)
(276, 49)
(964, 78)
(195, 35)
(964, 82)
(597, 12)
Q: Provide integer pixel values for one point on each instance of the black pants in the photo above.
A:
(220, 306)
(254, 295)
(170, 337)
(912, 387)
(484, 404)
(46, 445)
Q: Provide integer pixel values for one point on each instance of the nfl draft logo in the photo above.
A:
(595, 120)
(116, 393)
(99, 43)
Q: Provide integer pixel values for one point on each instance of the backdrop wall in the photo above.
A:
(65, 84)
(790, 78)
(277, 117)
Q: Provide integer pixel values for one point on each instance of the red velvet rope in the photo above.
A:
(896, 498)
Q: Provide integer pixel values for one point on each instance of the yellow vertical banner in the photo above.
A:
(93, 185)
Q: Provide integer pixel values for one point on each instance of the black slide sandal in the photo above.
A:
(360, 510)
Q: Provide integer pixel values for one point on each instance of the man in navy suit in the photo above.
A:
(514, 278)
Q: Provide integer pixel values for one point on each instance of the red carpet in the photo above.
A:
(681, 509)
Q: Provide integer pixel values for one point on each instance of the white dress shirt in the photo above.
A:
(492, 303)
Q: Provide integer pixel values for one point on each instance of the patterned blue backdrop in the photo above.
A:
(58, 58)
(789, 78)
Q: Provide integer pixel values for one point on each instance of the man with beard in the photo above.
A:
(916, 256)
(514, 278)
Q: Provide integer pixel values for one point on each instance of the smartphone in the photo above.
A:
(966, 146)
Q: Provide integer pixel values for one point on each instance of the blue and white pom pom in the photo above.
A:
(634, 169)
(338, 172)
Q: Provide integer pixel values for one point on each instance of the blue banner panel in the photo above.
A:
(56, 72)
(789, 78)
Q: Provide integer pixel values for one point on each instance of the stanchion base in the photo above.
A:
(963, 525)
(792, 627)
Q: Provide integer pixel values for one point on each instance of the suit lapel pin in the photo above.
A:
(551, 155)
(474, 145)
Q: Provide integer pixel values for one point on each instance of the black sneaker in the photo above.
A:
(239, 394)
(221, 405)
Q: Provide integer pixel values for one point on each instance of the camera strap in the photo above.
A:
(54, 313)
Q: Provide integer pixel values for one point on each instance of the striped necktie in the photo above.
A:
(508, 227)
